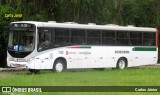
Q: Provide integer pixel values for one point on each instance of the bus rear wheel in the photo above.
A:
(122, 63)
(59, 65)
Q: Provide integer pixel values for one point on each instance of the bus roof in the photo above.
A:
(88, 26)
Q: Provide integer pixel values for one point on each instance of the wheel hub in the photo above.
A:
(121, 64)
(59, 67)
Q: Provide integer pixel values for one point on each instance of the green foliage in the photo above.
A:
(122, 12)
(5, 9)
(4, 23)
(143, 13)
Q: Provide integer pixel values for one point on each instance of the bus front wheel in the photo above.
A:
(122, 63)
(58, 65)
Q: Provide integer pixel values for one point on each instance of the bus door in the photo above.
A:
(44, 61)
(43, 47)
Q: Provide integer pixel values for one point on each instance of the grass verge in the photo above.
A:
(128, 77)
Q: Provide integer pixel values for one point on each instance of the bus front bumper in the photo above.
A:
(16, 64)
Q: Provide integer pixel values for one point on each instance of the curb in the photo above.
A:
(11, 69)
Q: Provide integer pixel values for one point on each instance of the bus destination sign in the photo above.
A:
(22, 25)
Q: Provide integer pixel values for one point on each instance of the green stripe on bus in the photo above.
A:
(144, 49)
(85, 46)
(80, 46)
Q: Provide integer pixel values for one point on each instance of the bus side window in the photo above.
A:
(61, 36)
(93, 37)
(83, 41)
(44, 41)
(77, 36)
(136, 38)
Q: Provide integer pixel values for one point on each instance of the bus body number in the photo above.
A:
(60, 52)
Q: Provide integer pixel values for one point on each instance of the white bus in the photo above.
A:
(58, 46)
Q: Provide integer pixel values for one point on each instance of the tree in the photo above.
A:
(122, 12)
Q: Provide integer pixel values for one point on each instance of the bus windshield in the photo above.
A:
(21, 41)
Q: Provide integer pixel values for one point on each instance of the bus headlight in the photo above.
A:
(11, 59)
(30, 60)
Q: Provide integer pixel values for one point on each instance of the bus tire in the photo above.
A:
(121, 63)
(33, 71)
(59, 65)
